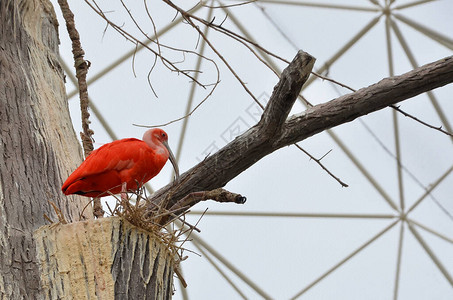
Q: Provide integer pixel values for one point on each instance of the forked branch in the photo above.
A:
(260, 140)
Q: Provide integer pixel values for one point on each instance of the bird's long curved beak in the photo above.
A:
(172, 159)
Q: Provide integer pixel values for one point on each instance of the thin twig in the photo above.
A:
(333, 81)
(420, 121)
(60, 216)
(318, 161)
(229, 5)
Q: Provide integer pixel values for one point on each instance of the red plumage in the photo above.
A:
(131, 161)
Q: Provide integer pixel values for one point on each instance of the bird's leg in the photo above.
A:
(124, 191)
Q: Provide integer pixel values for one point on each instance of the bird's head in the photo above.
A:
(156, 138)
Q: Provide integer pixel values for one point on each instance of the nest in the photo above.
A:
(171, 229)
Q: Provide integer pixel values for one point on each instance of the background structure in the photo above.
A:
(300, 234)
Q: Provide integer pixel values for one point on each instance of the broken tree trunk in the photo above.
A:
(107, 258)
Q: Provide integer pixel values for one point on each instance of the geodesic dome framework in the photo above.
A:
(301, 235)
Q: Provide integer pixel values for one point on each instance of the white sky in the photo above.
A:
(284, 255)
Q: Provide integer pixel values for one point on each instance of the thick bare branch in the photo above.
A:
(217, 170)
(346, 108)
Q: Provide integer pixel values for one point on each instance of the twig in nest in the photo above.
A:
(179, 274)
(60, 216)
(191, 227)
(81, 216)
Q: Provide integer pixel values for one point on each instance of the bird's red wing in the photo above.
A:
(111, 158)
(96, 186)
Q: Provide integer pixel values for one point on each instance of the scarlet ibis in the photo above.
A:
(121, 166)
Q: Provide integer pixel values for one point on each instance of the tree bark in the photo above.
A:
(107, 258)
(275, 130)
(37, 142)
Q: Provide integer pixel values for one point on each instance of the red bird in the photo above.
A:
(121, 166)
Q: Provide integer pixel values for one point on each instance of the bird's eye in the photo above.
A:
(164, 135)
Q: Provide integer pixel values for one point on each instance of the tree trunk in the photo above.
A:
(37, 142)
(103, 259)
